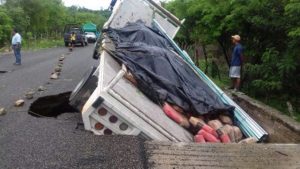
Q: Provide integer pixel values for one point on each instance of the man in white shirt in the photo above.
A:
(16, 46)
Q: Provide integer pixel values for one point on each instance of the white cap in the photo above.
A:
(236, 37)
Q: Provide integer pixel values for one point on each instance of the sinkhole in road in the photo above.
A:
(51, 106)
(3, 71)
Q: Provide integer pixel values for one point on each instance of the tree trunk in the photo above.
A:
(196, 55)
(205, 57)
(224, 52)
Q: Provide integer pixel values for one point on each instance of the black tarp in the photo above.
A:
(160, 73)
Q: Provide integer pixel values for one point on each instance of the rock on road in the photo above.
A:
(31, 142)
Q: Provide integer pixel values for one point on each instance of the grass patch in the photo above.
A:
(222, 83)
(280, 103)
(35, 44)
(42, 44)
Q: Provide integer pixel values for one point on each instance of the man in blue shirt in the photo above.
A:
(236, 63)
(16, 46)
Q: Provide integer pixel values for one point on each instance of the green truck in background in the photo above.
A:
(91, 31)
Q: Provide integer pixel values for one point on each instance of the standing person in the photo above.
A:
(236, 63)
(16, 46)
(72, 39)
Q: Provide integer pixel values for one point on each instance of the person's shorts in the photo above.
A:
(235, 72)
(73, 42)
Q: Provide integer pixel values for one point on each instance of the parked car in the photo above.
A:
(80, 35)
(91, 37)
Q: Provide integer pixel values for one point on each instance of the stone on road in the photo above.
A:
(57, 69)
(2, 111)
(61, 58)
(29, 95)
(42, 88)
(54, 76)
(19, 103)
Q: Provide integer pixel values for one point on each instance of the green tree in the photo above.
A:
(20, 19)
(83, 15)
(57, 13)
(270, 31)
(5, 25)
(40, 17)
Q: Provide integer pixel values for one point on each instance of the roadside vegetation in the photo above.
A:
(41, 23)
(270, 31)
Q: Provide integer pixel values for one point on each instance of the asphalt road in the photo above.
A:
(31, 142)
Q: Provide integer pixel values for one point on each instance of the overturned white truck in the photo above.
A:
(123, 96)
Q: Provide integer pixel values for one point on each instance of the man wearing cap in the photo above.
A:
(236, 63)
(16, 46)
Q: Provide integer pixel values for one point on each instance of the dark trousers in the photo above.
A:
(17, 52)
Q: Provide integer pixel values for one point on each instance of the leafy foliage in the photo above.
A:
(35, 17)
(5, 25)
(264, 80)
(270, 31)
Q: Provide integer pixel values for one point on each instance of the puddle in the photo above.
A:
(51, 106)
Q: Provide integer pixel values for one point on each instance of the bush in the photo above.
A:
(5, 26)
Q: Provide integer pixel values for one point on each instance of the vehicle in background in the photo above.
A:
(90, 27)
(80, 36)
(91, 37)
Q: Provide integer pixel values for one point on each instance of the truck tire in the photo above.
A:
(66, 44)
(82, 44)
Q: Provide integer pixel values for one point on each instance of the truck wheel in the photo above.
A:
(82, 44)
(66, 44)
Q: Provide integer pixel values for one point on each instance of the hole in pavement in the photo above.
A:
(3, 71)
(51, 106)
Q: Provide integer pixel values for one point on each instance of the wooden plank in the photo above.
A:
(212, 156)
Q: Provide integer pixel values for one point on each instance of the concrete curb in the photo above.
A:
(282, 128)
(210, 156)
(288, 121)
